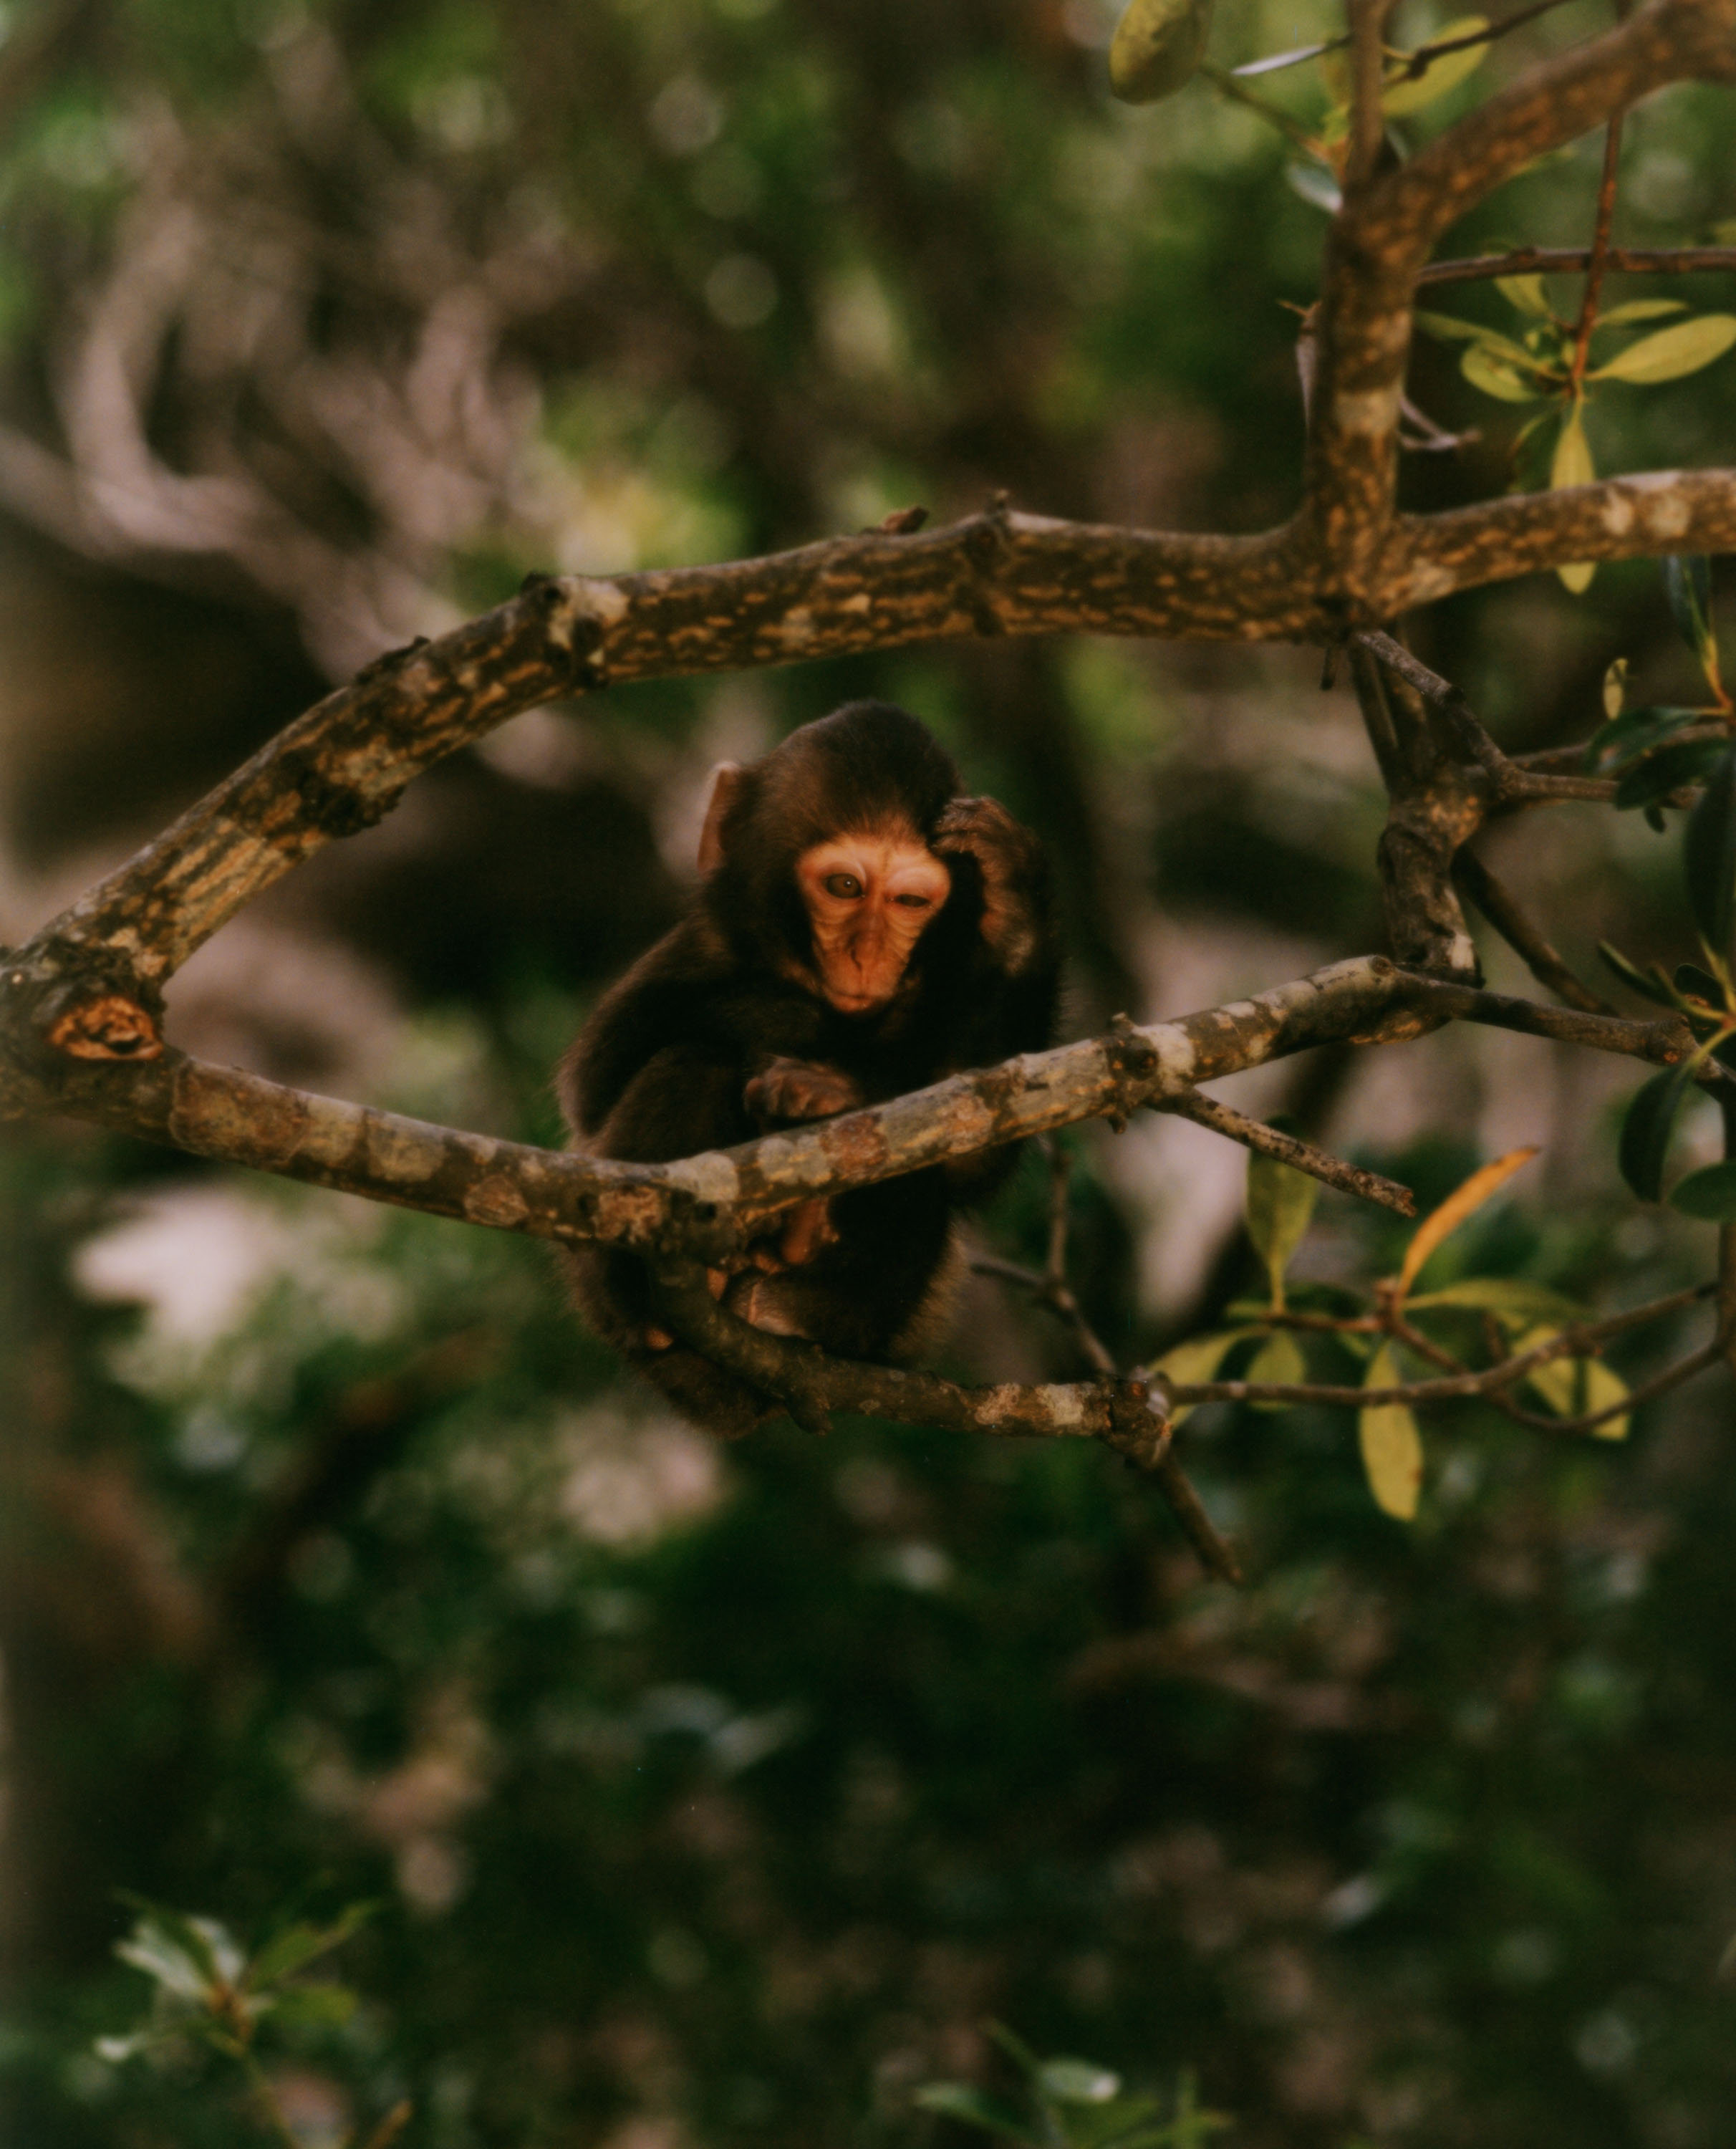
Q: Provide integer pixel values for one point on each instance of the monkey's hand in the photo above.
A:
(1011, 861)
(786, 1089)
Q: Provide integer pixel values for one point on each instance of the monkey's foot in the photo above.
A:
(807, 1230)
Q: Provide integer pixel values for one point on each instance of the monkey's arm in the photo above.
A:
(1011, 992)
(1016, 924)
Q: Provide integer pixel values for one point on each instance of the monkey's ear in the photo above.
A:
(725, 782)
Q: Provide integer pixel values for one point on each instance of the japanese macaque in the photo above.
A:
(862, 931)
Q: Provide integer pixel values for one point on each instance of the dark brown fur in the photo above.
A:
(721, 1031)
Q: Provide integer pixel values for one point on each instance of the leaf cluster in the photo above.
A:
(1543, 362)
(1655, 753)
(1073, 2104)
(1475, 1321)
(208, 1990)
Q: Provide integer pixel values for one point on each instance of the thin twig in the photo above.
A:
(1116, 1409)
(1377, 719)
(1600, 251)
(1570, 260)
(1664, 1042)
(1060, 1299)
(1418, 62)
(1450, 1388)
(1289, 1149)
(1497, 902)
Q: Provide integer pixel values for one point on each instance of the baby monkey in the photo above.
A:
(862, 930)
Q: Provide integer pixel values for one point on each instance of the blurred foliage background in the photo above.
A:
(713, 1796)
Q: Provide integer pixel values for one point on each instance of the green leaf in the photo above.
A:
(1653, 983)
(1157, 48)
(1691, 761)
(1671, 352)
(1708, 856)
(1199, 1359)
(1411, 93)
(1507, 380)
(1280, 1359)
(1641, 309)
(1650, 1120)
(1447, 328)
(1525, 294)
(1508, 1298)
(1688, 586)
(298, 1945)
(317, 2005)
(1392, 1447)
(1077, 2081)
(1709, 1194)
(1634, 732)
(1281, 1202)
(959, 2101)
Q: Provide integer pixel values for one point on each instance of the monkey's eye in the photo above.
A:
(914, 902)
(843, 884)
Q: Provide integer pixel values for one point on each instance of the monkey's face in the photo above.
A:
(868, 895)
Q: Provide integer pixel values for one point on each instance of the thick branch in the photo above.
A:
(1622, 518)
(222, 1113)
(1380, 240)
(342, 766)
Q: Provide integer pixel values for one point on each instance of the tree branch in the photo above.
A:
(1381, 238)
(1570, 260)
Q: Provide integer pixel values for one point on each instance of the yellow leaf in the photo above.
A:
(1572, 463)
(1282, 1362)
(1641, 309)
(1669, 354)
(1411, 93)
(1526, 294)
(1463, 1202)
(1485, 367)
(1392, 1446)
(1198, 1359)
(1574, 1387)
(1604, 1386)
